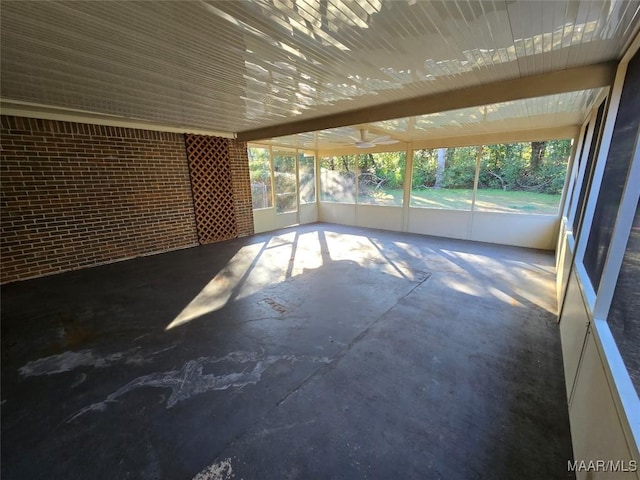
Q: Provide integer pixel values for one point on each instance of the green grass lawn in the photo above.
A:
(460, 199)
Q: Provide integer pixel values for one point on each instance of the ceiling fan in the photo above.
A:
(363, 142)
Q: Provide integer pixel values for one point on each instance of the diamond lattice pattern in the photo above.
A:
(213, 200)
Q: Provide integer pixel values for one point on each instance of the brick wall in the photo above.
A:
(75, 195)
(239, 161)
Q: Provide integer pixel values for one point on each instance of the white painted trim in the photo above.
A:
(562, 232)
(590, 124)
(317, 163)
(501, 137)
(408, 182)
(296, 165)
(621, 232)
(273, 181)
(466, 140)
(588, 291)
(352, 150)
(623, 391)
(572, 171)
(34, 110)
(273, 177)
(634, 47)
(569, 175)
(571, 243)
(476, 181)
(307, 153)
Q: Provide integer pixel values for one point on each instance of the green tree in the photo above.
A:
(460, 167)
(425, 164)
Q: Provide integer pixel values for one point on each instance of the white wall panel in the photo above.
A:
(342, 213)
(564, 267)
(386, 218)
(442, 223)
(533, 231)
(267, 219)
(308, 213)
(596, 430)
(573, 329)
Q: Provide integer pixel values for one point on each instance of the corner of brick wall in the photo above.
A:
(239, 160)
(76, 195)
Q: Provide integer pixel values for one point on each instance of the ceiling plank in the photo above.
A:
(563, 81)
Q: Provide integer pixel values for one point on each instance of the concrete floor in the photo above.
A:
(314, 352)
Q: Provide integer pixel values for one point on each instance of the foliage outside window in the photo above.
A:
(525, 177)
(284, 171)
(260, 176)
(337, 179)
(443, 177)
(381, 178)
(307, 174)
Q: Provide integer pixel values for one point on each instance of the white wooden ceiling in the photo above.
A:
(236, 65)
(525, 116)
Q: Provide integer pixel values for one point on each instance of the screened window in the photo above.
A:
(381, 178)
(576, 172)
(588, 173)
(625, 134)
(525, 177)
(284, 170)
(337, 179)
(260, 176)
(443, 177)
(624, 314)
(307, 175)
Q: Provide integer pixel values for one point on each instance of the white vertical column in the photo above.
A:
(406, 193)
(475, 190)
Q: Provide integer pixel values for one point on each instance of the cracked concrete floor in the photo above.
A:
(319, 351)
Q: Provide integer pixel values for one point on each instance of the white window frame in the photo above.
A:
(599, 303)
(307, 153)
(268, 148)
(273, 178)
(592, 195)
(356, 171)
(575, 171)
(573, 208)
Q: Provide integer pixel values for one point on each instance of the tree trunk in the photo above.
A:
(345, 164)
(442, 155)
(537, 154)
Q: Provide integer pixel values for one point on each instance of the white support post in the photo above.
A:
(406, 192)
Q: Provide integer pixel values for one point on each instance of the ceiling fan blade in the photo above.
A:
(388, 142)
(365, 144)
(355, 139)
(380, 139)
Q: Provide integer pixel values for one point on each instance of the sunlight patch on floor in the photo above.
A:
(366, 253)
(308, 255)
(217, 292)
(463, 287)
(503, 297)
(543, 301)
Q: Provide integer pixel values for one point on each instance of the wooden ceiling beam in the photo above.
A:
(563, 81)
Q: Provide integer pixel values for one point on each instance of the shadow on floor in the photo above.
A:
(319, 351)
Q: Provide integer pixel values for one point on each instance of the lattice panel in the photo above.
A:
(212, 187)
